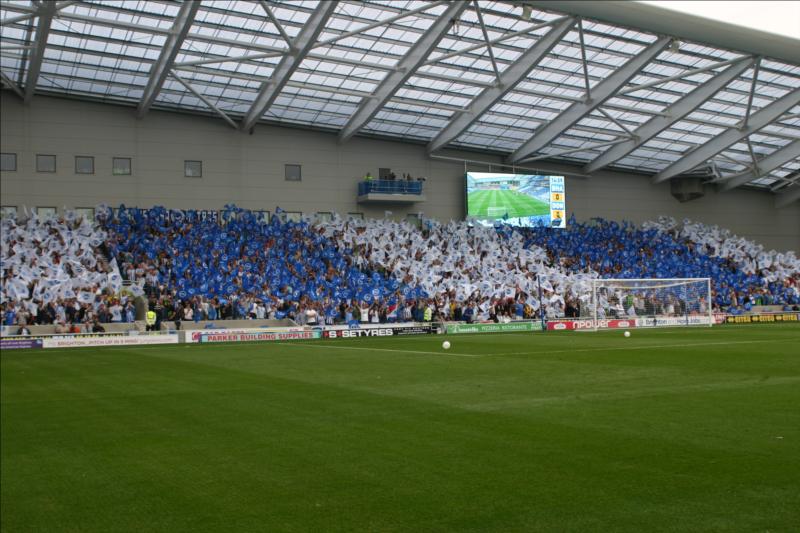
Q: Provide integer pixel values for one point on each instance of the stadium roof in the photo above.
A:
(558, 81)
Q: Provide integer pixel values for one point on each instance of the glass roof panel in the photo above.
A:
(106, 49)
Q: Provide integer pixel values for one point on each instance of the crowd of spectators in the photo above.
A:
(750, 274)
(54, 271)
(391, 176)
(69, 271)
(461, 272)
(193, 268)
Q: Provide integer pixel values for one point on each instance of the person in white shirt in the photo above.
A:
(116, 312)
(61, 314)
(312, 317)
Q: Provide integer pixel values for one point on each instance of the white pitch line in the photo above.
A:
(649, 331)
(443, 352)
(641, 347)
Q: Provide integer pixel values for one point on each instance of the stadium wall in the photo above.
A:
(248, 170)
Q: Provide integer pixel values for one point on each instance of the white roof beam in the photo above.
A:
(679, 76)
(789, 117)
(276, 22)
(656, 20)
(11, 85)
(497, 40)
(619, 124)
(510, 77)
(752, 93)
(367, 27)
(764, 166)
(205, 100)
(712, 147)
(584, 62)
(602, 92)
(18, 18)
(45, 17)
(300, 47)
(573, 150)
(160, 69)
(110, 23)
(405, 68)
(221, 59)
(18, 7)
(787, 197)
(486, 38)
(673, 114)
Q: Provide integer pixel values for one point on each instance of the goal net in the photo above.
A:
(494, 212)
(646, 303)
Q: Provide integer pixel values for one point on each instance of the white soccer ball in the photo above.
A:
(446, 345)
(627, 333)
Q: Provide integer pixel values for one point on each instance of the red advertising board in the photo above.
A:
(613, 323)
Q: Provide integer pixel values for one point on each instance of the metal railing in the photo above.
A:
(389, 187)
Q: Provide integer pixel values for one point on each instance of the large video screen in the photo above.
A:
(517, 199)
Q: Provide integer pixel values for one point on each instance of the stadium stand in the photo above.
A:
(55, 273)
(61, 272)
(193, 269)
(772, 276)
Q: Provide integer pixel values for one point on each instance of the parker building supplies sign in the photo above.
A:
(198, 334)
(493, 328)
(238, 336)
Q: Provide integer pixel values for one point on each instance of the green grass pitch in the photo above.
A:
(669, 430)
(517, 204)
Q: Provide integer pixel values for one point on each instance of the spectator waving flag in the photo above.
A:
(85, 297)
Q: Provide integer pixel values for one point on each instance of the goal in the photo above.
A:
(496, 211)
(643, 303)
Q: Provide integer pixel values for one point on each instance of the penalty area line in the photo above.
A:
(547, 352)
(369, 349)
(641, 347)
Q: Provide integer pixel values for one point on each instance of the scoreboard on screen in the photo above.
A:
(517, 199)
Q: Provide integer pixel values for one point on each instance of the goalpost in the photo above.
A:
(494, 212)
(651, 303)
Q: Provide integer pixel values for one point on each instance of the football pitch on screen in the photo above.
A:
(489, 203)
(668, 430)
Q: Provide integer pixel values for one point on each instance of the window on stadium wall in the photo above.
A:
(86, 213)
(8, 162)
(121, 166)
(292, 172)
(193, 169)
(413, 219)
(45, 163)
(84, 164)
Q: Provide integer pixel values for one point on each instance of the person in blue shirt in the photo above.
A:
(10, 315)
(468, 314)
